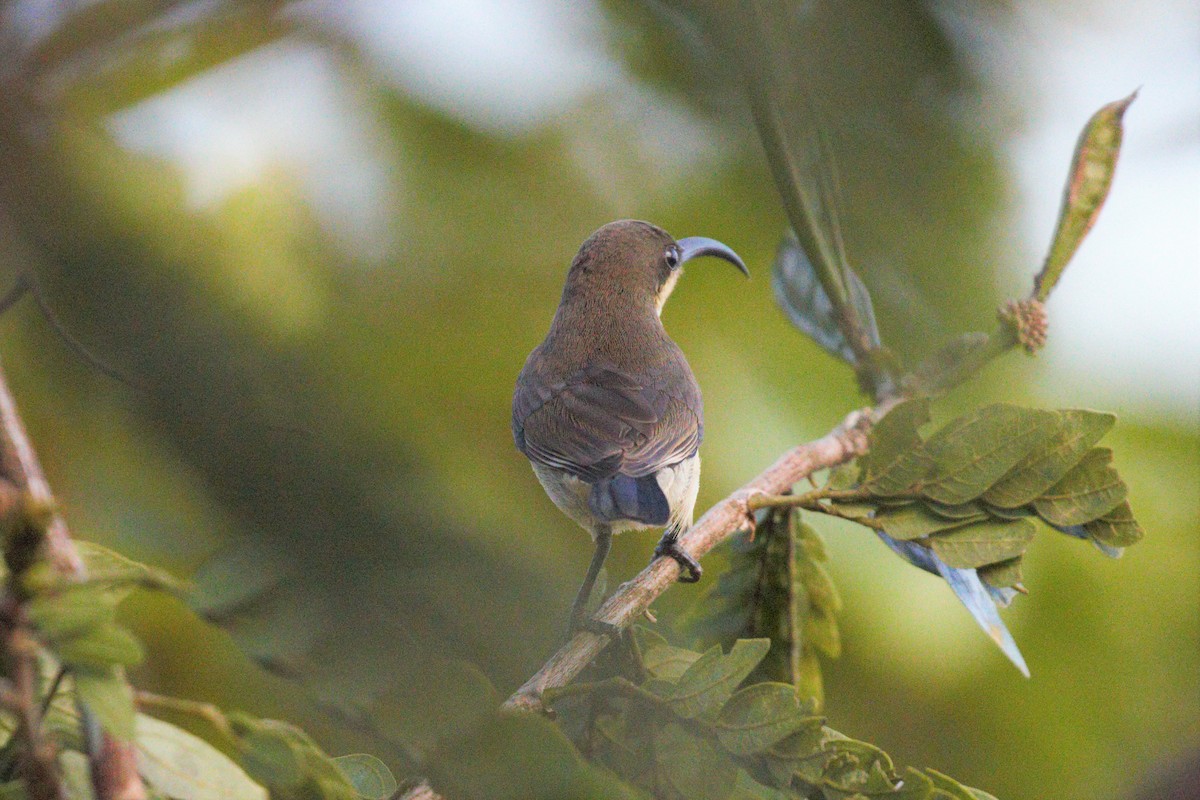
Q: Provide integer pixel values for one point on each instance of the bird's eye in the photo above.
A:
(672, 256)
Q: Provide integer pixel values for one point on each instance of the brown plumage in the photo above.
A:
(607, 408)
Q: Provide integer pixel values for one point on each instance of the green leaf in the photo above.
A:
(185, 767)
(1009, 513)
(709, 682)
(960, 511)
(1117, 528)
(746, 788)
(268, 752)
(1088, 182)
(970, 457)
(843, 476)
(13, 790)
(659, 659)
(1078, 431)
(110, 567)
(691, 766)
(915, 522)
(1002, 574)
(100, 647)
(625, 748)
(983, 543)
(893, 436)
(759, 716)
(821, 631)
(916, 786)
(370, 777)
(107, 696)
(71, 612)
(76, 775)
(800, 293)
(952, 789)
(858, 767)
(1089, 491)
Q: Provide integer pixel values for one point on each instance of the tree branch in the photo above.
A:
(113, 762)
(848, 440)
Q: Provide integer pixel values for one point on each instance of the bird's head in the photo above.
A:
(634, 262)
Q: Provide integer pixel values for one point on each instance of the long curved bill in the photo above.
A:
(696, 246)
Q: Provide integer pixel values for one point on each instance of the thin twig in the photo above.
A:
(113, 762)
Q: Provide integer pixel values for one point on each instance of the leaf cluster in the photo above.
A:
(776, 587)
(688, 728)
(970, 492)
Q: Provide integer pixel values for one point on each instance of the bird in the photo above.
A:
(606, 408)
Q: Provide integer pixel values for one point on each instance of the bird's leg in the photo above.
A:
(603, 537)
(668, 545)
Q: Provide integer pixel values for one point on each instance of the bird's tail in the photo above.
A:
(622, 497)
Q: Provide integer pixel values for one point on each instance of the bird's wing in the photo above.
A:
(601, 421)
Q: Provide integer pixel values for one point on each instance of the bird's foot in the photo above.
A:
(690, 570)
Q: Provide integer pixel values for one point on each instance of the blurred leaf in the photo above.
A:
(953, 790)
(843, 476)
(1001, 574)
(746, 788)
(1078, 431)
(76, 775)
(915, 522)
(1117, 528)
(100, 647)
(185, 767)
(1090, 490)
(67, 613)
(267, 753)
(371, 777)
(463, 696)
(519, 757)
(691, 766)
(236, 577)
(759, 716)
(287, 761)
(13, 790)
(105, 566)
(163, 55)
(983, 543)
(1088, 182)
(659, 659)
(972, 456)
(108, 697)
(799, 292)
(711, 679)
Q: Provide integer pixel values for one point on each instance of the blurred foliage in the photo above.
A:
(317, 434)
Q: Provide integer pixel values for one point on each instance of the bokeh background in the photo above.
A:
(318, 240)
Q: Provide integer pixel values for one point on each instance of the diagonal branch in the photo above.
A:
(113, 762)
(848, 440)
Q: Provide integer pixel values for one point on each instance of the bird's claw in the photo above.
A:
(690, 570)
